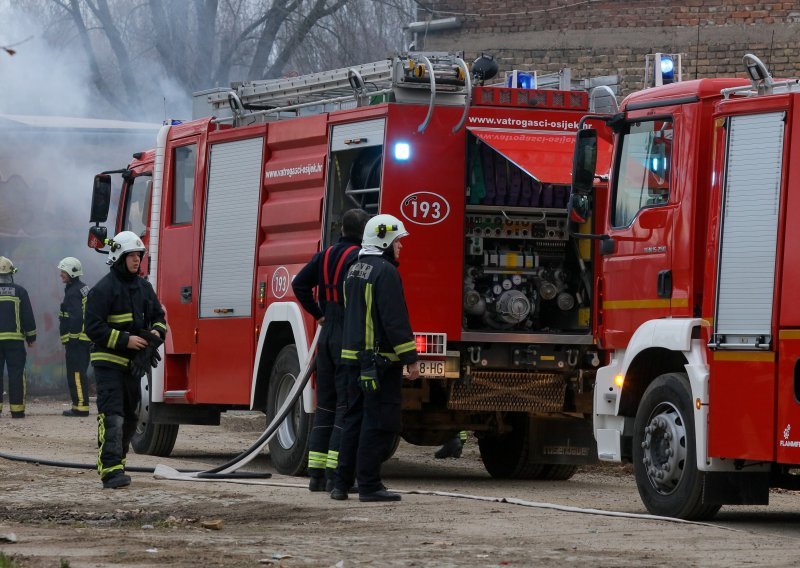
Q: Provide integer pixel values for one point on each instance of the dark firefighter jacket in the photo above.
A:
(376, 316)
(16, 314)
(71, 318)
(326, 271)
(117, 307)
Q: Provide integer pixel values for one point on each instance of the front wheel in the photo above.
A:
(664, 457)
(152, 439)
(289, 447)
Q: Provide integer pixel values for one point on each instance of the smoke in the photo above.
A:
(47, 166)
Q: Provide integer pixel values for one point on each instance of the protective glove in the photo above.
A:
(368, 378)
(147, 357)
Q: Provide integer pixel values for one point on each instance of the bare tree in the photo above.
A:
(135, 49)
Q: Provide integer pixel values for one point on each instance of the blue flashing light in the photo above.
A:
(667, 70)
(402, 151)
(524, 80)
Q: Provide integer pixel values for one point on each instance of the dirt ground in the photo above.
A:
(62, 517)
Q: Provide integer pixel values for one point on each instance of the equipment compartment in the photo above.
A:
(522, 272)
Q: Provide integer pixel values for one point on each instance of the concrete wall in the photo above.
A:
(604, 37)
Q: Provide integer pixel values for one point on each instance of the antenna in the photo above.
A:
(165, 109)
(771, 45)
(697, 50)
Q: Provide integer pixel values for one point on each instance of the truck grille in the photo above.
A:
(509, 391)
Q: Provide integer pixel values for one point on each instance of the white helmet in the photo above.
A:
(382, 230)
(122, 244)
(6, 266)
(72, 266)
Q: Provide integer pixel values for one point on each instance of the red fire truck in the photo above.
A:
(695, 301)
(500, 298)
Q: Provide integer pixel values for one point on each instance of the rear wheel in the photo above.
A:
(507, 455)
(289, 447)
(664, 457)
(152, 439)
(557, 472)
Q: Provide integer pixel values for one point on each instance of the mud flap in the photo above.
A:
(562, 441)
(724, 488)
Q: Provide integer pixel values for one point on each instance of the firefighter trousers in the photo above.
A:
(118, 396)
(371, 424)
(331, 391)
(12, 357)
(77, 363)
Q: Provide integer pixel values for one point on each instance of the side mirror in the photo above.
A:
(101, 198)
(97, 237)
(584, 162)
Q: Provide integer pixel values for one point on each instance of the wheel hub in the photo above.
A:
(664, 448)
(287, 431)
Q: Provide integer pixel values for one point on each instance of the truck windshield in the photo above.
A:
(137, 205)
(643, 169)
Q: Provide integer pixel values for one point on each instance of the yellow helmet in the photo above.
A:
(6, 266)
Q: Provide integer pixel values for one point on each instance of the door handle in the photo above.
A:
(186, 294)
(664, 284)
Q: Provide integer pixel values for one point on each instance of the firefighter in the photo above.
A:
(17, 327)
(73, 334)
(376, 342)
(122, 310)
(326, 272)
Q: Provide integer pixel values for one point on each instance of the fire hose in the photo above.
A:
(228, 470)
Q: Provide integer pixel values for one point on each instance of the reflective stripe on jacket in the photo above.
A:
(72, 317)
(116, 309)
(16, 315)
(376, 315)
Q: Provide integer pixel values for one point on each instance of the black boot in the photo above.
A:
(73, 412)
(316, 484)
(382, 495)
(451, 449)
(116, 480)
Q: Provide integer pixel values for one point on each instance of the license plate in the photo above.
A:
(430, 369)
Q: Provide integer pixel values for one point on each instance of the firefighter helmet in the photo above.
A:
(382, 230)
(6, 266)
(122, 244)
(72, 266)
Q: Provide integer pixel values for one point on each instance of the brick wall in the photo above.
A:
(604, 37)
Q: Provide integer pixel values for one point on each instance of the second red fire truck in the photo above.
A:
(501, 299)
(696, 291)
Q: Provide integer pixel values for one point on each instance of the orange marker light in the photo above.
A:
(619, 380)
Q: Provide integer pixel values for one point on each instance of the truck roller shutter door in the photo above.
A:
(231, 222)
(748, 241)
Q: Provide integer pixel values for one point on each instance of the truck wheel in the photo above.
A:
(506, 456)
(152, 439)
(557, 472)
(288, 449)
(393, 447)
(664, 458)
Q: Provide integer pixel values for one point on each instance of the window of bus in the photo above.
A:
(183, 184)
(643, 170)
(137, 205)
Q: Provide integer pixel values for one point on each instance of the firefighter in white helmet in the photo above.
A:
(124, 319)
(76, 343)
(377, 341)
(17, 327)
